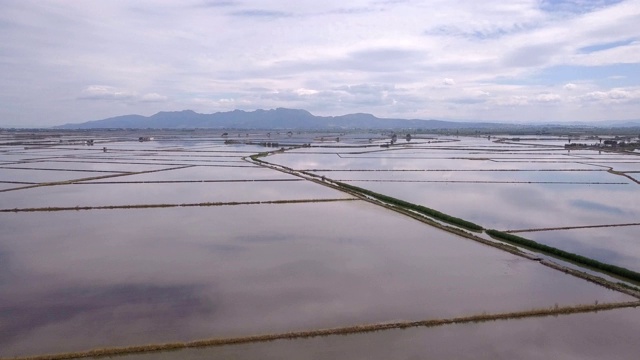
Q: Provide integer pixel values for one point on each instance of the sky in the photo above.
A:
(492, 60)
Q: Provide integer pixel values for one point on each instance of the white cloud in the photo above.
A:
(303, 92)
(110, 93)
(515, 100)
(380, 57)
(153, 97)
(548, 98)
(448, 82)
(102, 92)
(612, 96)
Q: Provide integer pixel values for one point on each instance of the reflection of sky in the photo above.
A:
(169, 193)
(75, 280)
(519, 206)
(442, 162)
(596, 176)
(208, 173)
(615, 245)
(89, 166)
(110, 305)
(594, 206)
(592, 336)
(40, 176)
(625, 166)
(101, 278)
(504, 206)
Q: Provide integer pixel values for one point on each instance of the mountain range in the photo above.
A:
(282, 118)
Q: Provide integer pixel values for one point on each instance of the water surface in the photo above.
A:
(99, 278)
(604, 335)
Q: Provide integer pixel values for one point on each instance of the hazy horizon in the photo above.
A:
(527, 61)
(501, 122)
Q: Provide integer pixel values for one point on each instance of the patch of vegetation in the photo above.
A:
(256, 157)
(417, 208)
(627, 286)
(612, 269)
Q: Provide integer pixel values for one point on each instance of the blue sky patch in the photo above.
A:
(605, 46)
(575, 6)
(593, 206)
(608, 76)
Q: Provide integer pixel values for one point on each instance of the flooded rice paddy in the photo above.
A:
(528, 184)
(243, 249)
(577, 336)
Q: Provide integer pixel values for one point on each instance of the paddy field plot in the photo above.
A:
(506, 186)
(259, 251)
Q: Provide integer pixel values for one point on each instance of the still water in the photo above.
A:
(85, 279)
(604, 335)
(75, 280)
(106, 194)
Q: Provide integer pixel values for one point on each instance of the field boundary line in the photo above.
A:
(160, 206)
(73, 181)
(569, 228)
(346, 330)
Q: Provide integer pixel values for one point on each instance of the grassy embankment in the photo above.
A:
(356, 329)
(256, 157)
(74, 181)
(488, 182)
(620, 173)
(570, 228)
(189, 181)
(152, 206)
(417, 208)
(578, 259)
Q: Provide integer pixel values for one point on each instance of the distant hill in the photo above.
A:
(280, 118)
